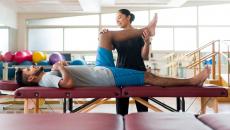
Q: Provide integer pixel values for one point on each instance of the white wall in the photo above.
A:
(8, 17)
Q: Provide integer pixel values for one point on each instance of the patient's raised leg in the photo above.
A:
(106, 39)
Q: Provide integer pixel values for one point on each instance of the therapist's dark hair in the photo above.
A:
(127, 13)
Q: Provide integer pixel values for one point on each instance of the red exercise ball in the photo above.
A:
(28, 55)
(8, 56)
(20, 56)
(1, 57)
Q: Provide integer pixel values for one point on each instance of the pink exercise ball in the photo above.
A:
(20, 56)
(1, 57)
(8, 56)
(28, 55)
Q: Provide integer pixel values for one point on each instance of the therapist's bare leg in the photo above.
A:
(106, 39)
(197, 80)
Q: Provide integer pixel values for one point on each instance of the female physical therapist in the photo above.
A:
(131, 54)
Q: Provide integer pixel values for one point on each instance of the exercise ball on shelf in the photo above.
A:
(38, 56)
(27, 63)
(20, 56)
(43, 63)
(55, 57)
(1, 57)
(29, 55)
(78, 62)
(8, 56)
(1, 68)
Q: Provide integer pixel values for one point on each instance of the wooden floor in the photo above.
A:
(192, 106)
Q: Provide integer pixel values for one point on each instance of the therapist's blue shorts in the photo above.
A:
(122, 77)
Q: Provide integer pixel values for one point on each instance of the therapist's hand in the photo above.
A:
(146, 37)
(104, 30)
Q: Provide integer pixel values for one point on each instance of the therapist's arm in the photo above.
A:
(145, 49)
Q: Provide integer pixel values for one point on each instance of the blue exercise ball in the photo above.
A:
(78, 62)
(27, 63)
(44, 63)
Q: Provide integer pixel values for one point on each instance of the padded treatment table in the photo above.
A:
(7, 88)
(56, 121)
(8, 85)
(181, 91)
(129, 91)
(100, 95)
(103, 121)
(163, 121)
(78, 92)
(218, 121)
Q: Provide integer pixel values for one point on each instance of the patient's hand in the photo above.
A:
(65, 63)
(59, 65)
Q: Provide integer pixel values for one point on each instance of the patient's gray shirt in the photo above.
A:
(82, 75)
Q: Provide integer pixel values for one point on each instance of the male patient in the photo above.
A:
(104, 73)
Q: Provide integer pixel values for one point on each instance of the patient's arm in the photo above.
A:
(67, 80)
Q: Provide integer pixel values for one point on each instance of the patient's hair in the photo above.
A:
(21, 79)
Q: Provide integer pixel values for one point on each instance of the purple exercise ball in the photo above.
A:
(55, 57)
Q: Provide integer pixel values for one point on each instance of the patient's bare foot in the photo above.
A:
(199, 79)
(152, 25)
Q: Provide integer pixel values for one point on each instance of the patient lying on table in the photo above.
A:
(63, 76)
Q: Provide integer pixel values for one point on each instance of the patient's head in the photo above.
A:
(29, 76)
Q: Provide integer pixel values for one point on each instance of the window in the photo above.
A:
(185, 39)
(68, 21)
(81, 39)
(108, 19)
(176, 26)
(214, 15)
(48, 39)
(141, 18)
(207, 34)
(163, 39)
(176, 16)
(4, 34)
